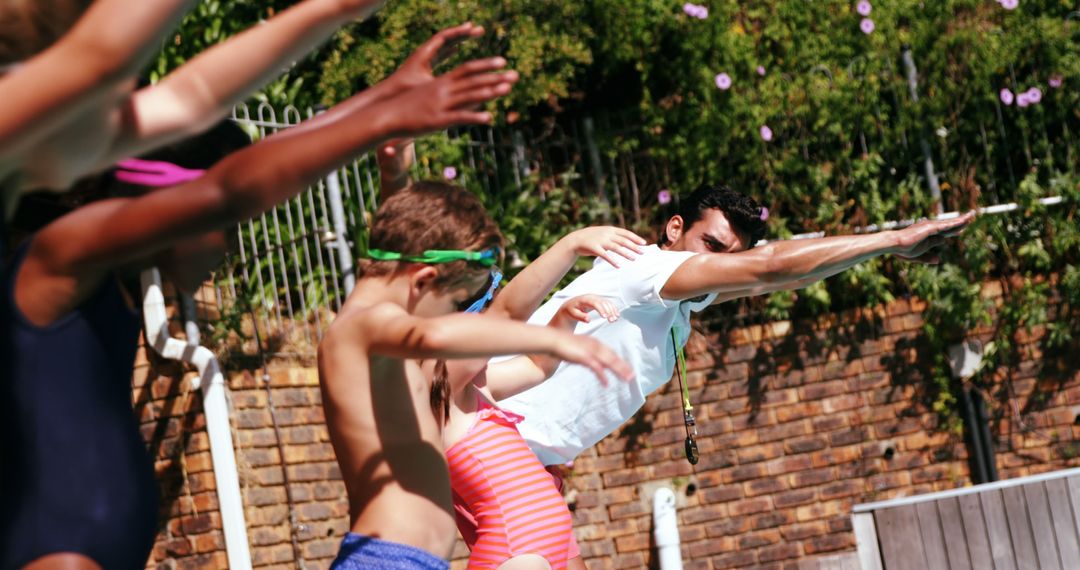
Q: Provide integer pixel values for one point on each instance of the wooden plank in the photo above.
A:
(978, 542)
(1068, 539)
(932, 537)
(1042, 527)
(901, 541)
(1073, 485)
(997, 530)
(952, 526)
(850, 562)
(1023, 541)
(866, 541)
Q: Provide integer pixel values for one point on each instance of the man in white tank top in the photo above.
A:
(705, 256)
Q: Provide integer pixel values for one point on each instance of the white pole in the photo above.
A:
(666, 529)
(216, 409)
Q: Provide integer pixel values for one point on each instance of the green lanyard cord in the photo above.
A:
(680, 358)
(690, 446)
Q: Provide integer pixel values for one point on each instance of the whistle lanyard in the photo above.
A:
(690, 445)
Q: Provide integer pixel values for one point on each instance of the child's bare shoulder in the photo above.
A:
(357, 321)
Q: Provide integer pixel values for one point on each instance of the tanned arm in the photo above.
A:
(388, 330)
(797, 263)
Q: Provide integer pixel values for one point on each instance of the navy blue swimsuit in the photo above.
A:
(82, 479)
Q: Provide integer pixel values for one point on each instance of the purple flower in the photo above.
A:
(695, 11)
(764, 213)
(1009, 4)
(1022, 100)
(1006, 96)
(761, 70)
(866, 25)
(723, 81)
(1034, 95)
(449, 173)
(1054, 81)
(766, 133)
(863, 8)
(664, 197)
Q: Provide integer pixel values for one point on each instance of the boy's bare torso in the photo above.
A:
(387, 441)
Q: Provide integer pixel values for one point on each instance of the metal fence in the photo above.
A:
(293, 265)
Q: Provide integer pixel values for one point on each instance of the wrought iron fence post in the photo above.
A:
(341, 241)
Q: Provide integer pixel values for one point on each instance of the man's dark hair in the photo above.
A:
(742, 211)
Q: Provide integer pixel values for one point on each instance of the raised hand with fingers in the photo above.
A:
(448, 100)
(603, 241)
(419, 67)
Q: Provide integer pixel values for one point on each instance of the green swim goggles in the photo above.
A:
(487, 257)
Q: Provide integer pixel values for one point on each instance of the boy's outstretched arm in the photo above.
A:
(795, 263)
(202, 91)
(71, 253)
(388, 330)
(527, 290)
(511, 377)
(106, 47)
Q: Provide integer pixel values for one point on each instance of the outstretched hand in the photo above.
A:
(594, 355)
(444, 101)
(450, 99)
(919, 242)
(419, 67)
(603, 241)
(397, 155)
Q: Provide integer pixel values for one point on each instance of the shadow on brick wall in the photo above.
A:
(177, 413)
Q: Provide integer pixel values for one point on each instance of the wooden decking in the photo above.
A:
(1026, 523)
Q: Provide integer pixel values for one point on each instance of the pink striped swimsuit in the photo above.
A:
(500, 482)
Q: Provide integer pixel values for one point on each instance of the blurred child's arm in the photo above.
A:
(106, 47)
(511, 377)
(195, 96)
(395, 161)
(388, 330)
(527, 290)
(77, 249)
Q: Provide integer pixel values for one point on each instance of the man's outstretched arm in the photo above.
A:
(796, 263)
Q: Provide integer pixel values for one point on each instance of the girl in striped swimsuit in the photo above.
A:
(521, 519)
(509, 511)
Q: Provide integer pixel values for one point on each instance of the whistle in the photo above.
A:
(691, 450)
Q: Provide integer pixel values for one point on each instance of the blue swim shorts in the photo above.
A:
(359, 552)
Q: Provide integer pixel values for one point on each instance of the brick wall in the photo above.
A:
(798, 421)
